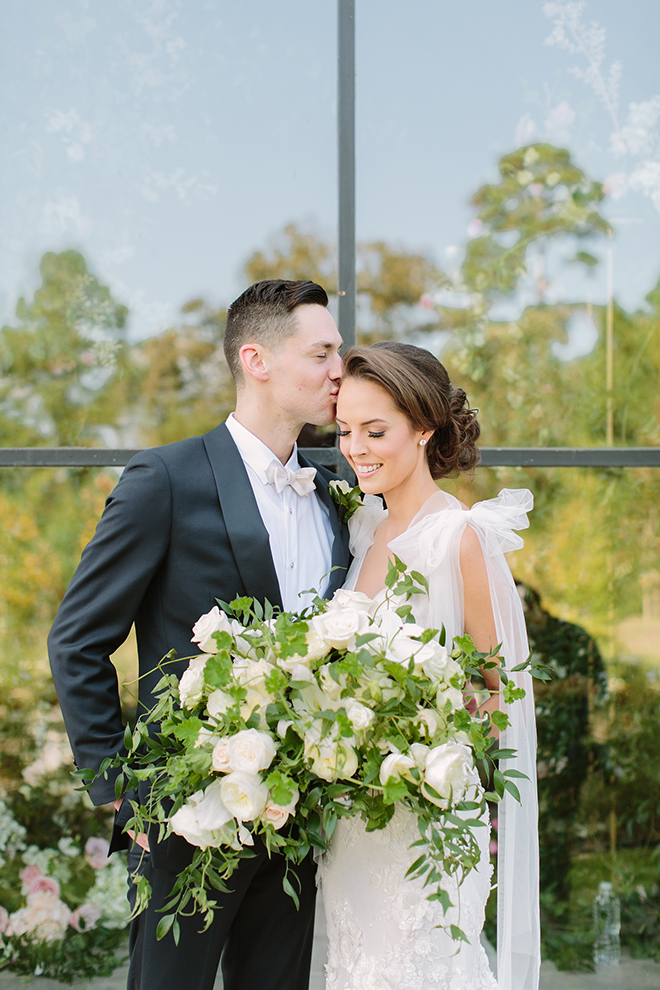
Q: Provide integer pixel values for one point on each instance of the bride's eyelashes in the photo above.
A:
(345, 433)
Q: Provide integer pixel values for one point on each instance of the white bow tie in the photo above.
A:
(302, 481)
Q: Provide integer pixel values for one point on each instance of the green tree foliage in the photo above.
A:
(58, 364)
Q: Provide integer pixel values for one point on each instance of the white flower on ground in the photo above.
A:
(394, 766)
(447, 771)
(339, 627)
(244, 794)
(207, 624)
(251, 751)
(191, 685)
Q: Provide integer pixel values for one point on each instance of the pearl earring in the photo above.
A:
(422, 442)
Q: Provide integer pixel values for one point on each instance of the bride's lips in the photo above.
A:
(366, 470)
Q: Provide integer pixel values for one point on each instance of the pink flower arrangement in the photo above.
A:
(29, 874)
(85, 917)
(44, 885)
(96, 852)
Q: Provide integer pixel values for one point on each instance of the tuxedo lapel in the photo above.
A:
(340, 551)
(245, 529)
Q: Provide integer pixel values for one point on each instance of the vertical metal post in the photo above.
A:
(346, 288)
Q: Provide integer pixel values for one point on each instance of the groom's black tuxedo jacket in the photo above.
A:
(180, 529)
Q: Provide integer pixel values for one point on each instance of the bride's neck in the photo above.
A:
(405, 501)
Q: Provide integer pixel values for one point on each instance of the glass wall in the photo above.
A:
(158, 157)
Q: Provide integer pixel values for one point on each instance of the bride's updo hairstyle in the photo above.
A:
(420, 387)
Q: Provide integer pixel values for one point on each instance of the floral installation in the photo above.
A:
(348, 500)
(348, 708)
(67, 905)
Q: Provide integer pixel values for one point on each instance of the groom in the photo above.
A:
(235, 512)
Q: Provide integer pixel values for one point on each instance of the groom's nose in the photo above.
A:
(335, 370)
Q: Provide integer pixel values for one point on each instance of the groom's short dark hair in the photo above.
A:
(264, 314)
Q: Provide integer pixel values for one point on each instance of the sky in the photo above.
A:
(169, 140)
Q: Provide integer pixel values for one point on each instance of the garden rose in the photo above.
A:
(245, 795)
(28, 875)
(220, 759)
(202, 819)
(358, 714)
(191, 685)
(210, 810)
(331, 759)
(447, 772)
(395, 765)
(278, 814)
(45, 917)
(218, 703)
(96, 852)
(251, 751)
(352, 599)
(44, 885)
(212, 622)
(339, 627)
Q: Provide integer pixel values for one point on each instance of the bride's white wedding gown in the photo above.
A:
(382, 931)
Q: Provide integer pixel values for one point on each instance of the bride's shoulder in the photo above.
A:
(364, 522)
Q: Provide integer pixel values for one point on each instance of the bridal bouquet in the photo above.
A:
(287, 722)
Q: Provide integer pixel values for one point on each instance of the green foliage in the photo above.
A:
(80, 955)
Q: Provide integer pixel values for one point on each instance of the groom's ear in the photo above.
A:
(253, 358)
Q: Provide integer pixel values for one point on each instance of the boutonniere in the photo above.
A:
(348, 500)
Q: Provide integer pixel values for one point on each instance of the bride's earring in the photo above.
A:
(422, 442)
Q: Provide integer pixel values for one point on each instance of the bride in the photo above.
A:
(402, 427)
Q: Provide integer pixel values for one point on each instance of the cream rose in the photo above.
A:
(218, 703)
(207, 624)
(251, 751)
(332, 759)
(394, 766)
(45, 917)
(202, 819)
(244, 794)
(358, 714)
(352, 599)
(220, 760)
(339, 627)
(449, 694)
(191, 685)
(447, 772)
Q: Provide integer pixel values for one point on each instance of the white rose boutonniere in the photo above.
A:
(348, 500)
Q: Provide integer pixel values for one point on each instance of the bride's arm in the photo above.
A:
(478, 610)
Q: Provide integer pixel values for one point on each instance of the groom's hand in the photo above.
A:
(141, 838)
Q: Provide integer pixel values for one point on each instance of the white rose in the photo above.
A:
(387, 624)
(220, 759)
(358, 714)
(244, 794)
(251, 751)
(253, 673)
(330, 687)
(447, 772)
(255, 699)
(428, 718)
(206, 737)
(191, 685)
(218, 703)
(317, 648)
(449, 694)
(212, 622)
(339, 627)
(395, 765)
(419, 752)
(435, 665)
(211, 811)
(212, 829)
(331, 760)
(352, 599)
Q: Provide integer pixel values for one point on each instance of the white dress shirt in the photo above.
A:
(298, 526)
